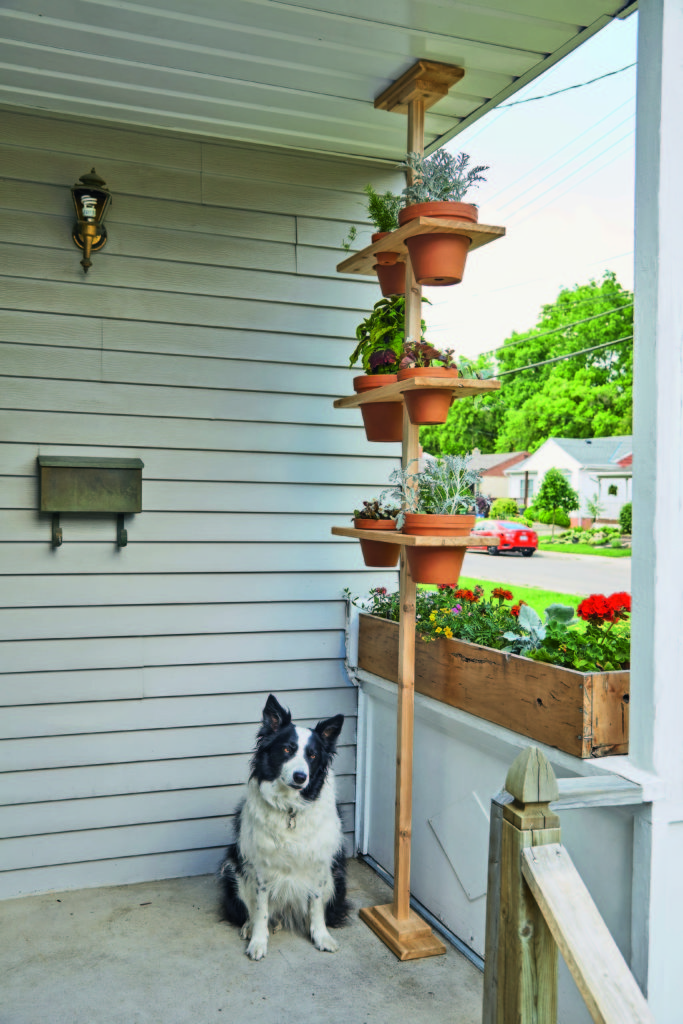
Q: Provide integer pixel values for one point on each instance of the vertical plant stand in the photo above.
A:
(399, 927)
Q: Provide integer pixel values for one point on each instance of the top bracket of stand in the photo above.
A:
(427, 81)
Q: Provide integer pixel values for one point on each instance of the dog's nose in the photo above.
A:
(299, 778)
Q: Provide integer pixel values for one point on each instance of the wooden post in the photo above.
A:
(525, 989)
(402, 930)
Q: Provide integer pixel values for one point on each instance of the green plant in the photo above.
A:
(534, 630)
(626, 518)
(375, 510)
(421, 353)
(444, 486)
(383, 208)
(556, 494)
(440, 177)
(380, 336)
(503, 508)
(594, 507)
(605, 642)
(350, 238)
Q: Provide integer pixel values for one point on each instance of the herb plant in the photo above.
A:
(380, 336)
(422, 354)
(375, 510)
(444, 486)
(383, 208)
(440, 177)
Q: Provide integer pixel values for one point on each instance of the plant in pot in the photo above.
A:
(379, 349)
(383, 209)
(374, 515)
(439, 184)
(437, 500)
(419, 359)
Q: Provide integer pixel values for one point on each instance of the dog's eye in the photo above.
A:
(312, 757)
(286, 750)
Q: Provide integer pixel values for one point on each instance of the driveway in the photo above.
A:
(568, 574)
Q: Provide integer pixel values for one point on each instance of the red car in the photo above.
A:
(512, 536)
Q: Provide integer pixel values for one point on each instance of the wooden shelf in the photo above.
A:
(463, 387)
(363, 262)
(408, 541)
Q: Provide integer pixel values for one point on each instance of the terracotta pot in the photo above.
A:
(437, 564)
(438, 259)
(428, 405)
(383, 420)
(390, 273)
(375, 553)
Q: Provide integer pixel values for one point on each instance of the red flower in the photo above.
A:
(466, 595)
(516, 608)
(504, 595)
(598, 609)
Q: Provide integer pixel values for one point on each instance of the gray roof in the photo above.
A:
(596, 451)
(589, 452)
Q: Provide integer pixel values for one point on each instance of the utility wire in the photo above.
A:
(558, 359)
(556, 330)
(567, 145)
(596, 142)
(579, 85)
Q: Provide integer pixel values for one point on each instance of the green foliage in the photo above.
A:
(594, 507)
(383, 208)
(626, 518)
(440, 177)
(380, 336)
(375, 510)
(556, 518)
(555, 494)
(444, 486)
(600, 643)
(585, 396)
(503, 508)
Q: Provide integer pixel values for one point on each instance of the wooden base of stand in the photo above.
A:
(411, 939)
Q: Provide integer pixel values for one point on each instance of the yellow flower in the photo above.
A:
(448, 632)
(432, 617)
(438, 629)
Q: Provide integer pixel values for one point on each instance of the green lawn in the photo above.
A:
(536, 597)
(585, 549)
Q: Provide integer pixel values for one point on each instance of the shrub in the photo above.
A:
(625, 518)
(503, 508)
(560, 518)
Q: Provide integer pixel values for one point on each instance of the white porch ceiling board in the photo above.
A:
(300, 74)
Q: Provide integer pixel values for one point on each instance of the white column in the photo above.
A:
(657, 578)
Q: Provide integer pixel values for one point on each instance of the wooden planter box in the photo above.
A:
(582, 713)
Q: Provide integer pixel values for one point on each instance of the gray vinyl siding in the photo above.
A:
(209, 339)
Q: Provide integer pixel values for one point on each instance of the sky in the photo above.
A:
(561, 181)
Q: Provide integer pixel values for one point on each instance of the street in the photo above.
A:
(568, 574)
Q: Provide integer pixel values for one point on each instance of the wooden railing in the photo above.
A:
(538, 904)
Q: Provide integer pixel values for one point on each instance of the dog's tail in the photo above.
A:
(230, 906)
(337, 910)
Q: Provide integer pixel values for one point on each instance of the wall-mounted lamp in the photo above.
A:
(91, 200)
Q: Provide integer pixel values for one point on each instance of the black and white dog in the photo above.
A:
(286, 865)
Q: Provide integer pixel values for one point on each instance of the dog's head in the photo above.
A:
(296, 757)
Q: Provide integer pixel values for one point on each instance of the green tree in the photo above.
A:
(556, 493)
(587, 395)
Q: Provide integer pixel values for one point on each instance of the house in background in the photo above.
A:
(593, 466)
(494, 484)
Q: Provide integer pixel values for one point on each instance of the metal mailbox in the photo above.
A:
(71, 484)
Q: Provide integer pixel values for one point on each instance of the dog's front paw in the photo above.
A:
(323, 941)
(257, 949)
(245, 930)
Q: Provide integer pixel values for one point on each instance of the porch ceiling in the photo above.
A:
(301, 74)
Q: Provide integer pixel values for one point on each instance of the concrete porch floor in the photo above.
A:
(155, 952)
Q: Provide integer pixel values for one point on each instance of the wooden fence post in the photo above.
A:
(524, 986)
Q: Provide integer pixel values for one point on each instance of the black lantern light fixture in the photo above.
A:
(91, 199)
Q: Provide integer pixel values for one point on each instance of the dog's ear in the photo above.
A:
(329, 730)
(274, 715)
